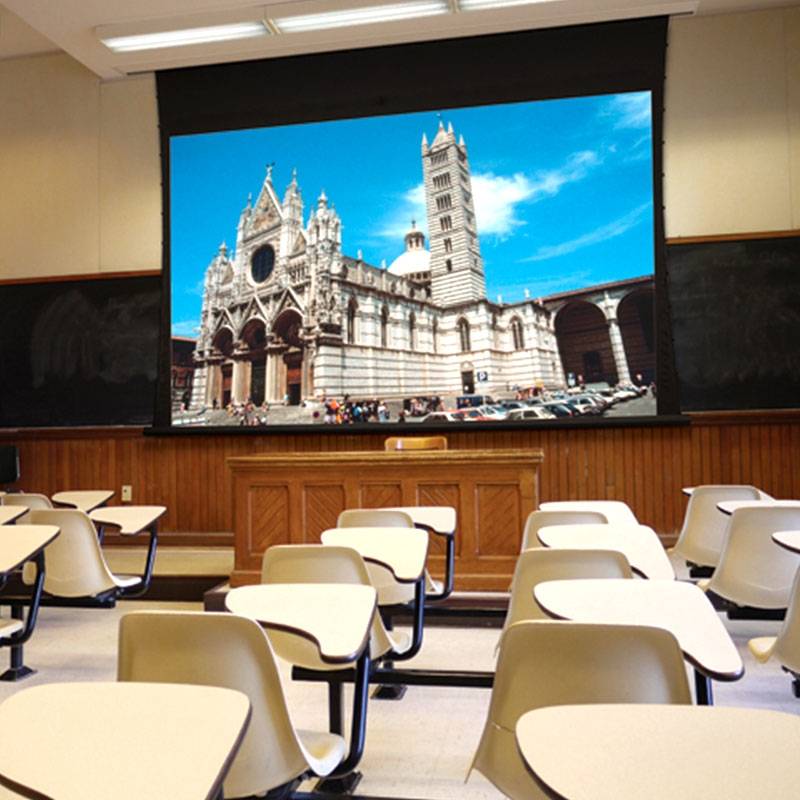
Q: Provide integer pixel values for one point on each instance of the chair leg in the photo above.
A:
(386, 691)
(16, 670)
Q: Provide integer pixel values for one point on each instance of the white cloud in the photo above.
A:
(605, 232)
(187, 327)
(198, 289)
(496, 197)
(629, 110)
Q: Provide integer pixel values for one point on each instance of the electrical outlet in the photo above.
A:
(127, 493)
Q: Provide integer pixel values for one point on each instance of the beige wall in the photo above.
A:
(80, 173)
(732, 124)
(79, 170)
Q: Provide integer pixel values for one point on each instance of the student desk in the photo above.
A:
(127, 741)
(290, 498)
(661, 752)
(85, 500)
(681, 608)
(9, 514)
(337, 618)
(788, 540)
(638, 543)
(18, 544)
(615, 510)
(729, 506)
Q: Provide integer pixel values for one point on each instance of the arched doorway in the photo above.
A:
(221, 377)
(287, 332)
(254, 336)
(584, 343)
(636, 318)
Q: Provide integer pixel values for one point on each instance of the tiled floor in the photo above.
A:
(420, 747)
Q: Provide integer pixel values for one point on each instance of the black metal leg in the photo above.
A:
(101, 532)
(449, 570)
(144, 584)
(418, 624)
(387, 691)
(703, 690)
(335, 710)
(344, 778)
(17, 669)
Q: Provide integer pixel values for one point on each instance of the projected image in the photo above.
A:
(479, 264)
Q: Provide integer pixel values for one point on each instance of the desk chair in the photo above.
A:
(218, 649)
(543, 564)
(616, 511)
(568, 663)
(703, 533)
(541, 519)
(785, 647)
(74, 563)
(415, 443)
(29, 500)
(314, 563)
(753, 571)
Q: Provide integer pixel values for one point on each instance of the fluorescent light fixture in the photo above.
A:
(185, 36)
(367, 15)
(475, 5)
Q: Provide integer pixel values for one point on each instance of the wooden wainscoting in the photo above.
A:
(644, 466)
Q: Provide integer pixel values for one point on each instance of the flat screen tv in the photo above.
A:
(462, 263)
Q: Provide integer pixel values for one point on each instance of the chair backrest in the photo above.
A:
(615, 510)
(390, 592)
(74, 562)
(374, 518)
(217, 649)
(703, 532)
(787, 645)
(542, 564)
(562, 663)
(415, 443)
(316, 563)
(29, 500)
(541, 519)
(752, 569)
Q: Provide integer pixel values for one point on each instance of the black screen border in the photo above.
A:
(575, 61)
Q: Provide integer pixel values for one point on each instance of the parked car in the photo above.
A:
(441, 416)
(560, 409)
(472, 415)
(537, 412)
(493, 412)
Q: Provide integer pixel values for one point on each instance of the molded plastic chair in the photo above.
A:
(541, 519)
(753, 571)
(229, 651)
(415, 443)
(562, 663)
(703, 533)
(74, 562)
(785, 647)
(29, 500)
(616, 511)
(390, 592)
(315, 563)
(542, 564)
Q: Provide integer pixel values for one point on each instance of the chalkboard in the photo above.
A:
(735, 311)
(79, 352)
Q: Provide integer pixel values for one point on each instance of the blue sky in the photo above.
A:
(562, 190)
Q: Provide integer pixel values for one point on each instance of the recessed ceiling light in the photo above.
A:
(360, 16)
(474, 5)
(185, 36)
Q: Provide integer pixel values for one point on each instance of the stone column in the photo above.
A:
(609, 308)
(239, 381)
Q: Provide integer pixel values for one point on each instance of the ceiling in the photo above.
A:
(29, 27)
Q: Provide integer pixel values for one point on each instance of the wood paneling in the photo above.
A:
(644, 466)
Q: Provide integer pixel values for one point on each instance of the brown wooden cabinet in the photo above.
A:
(282, 498)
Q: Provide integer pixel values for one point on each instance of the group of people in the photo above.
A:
(248, 414)
(350, 411)
(420, 406)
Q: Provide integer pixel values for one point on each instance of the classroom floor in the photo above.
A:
(419, 747)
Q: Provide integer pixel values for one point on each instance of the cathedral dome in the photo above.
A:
(416, 258)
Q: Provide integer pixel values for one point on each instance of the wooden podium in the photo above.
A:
(291, 498)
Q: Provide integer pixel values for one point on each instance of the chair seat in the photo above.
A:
(8, 627)
(762, 647)
(324, 751)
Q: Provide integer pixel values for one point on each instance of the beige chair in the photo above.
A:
(541, 519)
(561, 663)
(74, 562)
(415, 443)
(703, 533)
(542, 564)
(785, 647)
(29, 500)
(390, 592)
(316, 563)
(615, 511)
(753, 571)
(229, 651)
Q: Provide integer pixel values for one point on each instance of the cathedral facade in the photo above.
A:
(289, 317)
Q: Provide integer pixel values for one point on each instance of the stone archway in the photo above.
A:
(285, 359)
(220, 371)
(254, 339)
(584, 343)
(636, 318)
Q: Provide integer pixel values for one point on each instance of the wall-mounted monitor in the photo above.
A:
(441, 263)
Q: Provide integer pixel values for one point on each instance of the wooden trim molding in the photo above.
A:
(733, 237)
(86, 276)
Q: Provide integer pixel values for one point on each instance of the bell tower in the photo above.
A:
(456, 264)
